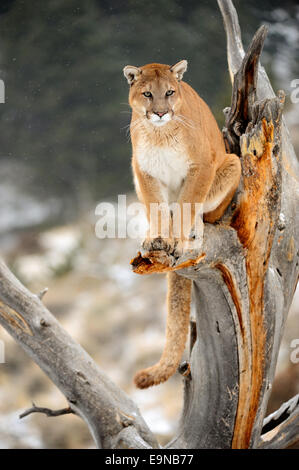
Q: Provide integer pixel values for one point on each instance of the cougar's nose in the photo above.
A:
(160, 114)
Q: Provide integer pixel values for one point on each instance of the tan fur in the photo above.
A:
(178, 303)
(178, 156)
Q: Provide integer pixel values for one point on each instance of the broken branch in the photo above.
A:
(47, 411)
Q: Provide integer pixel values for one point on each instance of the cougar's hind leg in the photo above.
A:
(178, 304)
(223, 189)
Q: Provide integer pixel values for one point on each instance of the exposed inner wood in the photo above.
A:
(14, 319)
(231, 285)
(254, 221)
(160, 262)
(244, 349)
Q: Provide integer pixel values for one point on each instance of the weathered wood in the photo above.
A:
(105, 408)
(281, 276)
(281, 428)
(46, 411)
(259, 270)
(244, 94)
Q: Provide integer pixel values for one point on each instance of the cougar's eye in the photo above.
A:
(147, 94)
(169, 92)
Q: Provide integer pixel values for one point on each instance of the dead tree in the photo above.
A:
(244, 282)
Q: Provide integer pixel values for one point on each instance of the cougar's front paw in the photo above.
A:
(158, 244)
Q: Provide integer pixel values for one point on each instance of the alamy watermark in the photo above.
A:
(295, 93)
(294, 357)
(124, 220)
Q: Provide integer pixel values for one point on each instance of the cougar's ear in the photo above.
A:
(179, 69)
(131, 73)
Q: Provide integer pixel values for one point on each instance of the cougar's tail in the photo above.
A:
(178, 303)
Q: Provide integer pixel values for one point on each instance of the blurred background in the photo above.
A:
(64, 148)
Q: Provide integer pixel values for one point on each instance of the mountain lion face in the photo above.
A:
(155, 92)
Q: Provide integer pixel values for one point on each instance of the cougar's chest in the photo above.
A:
(167, 164)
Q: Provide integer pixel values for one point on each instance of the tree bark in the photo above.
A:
(243, 294)
(243, 281)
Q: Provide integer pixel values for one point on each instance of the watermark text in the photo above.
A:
(295, 353)
(124, 220)
(295, 93)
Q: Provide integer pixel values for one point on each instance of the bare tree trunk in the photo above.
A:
(243, 293)
(243, 287)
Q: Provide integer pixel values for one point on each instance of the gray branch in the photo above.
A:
(281, 428)
(105, 408)
(47, 411)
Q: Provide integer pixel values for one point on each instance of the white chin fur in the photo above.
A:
(154, 119)
(159, 123)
